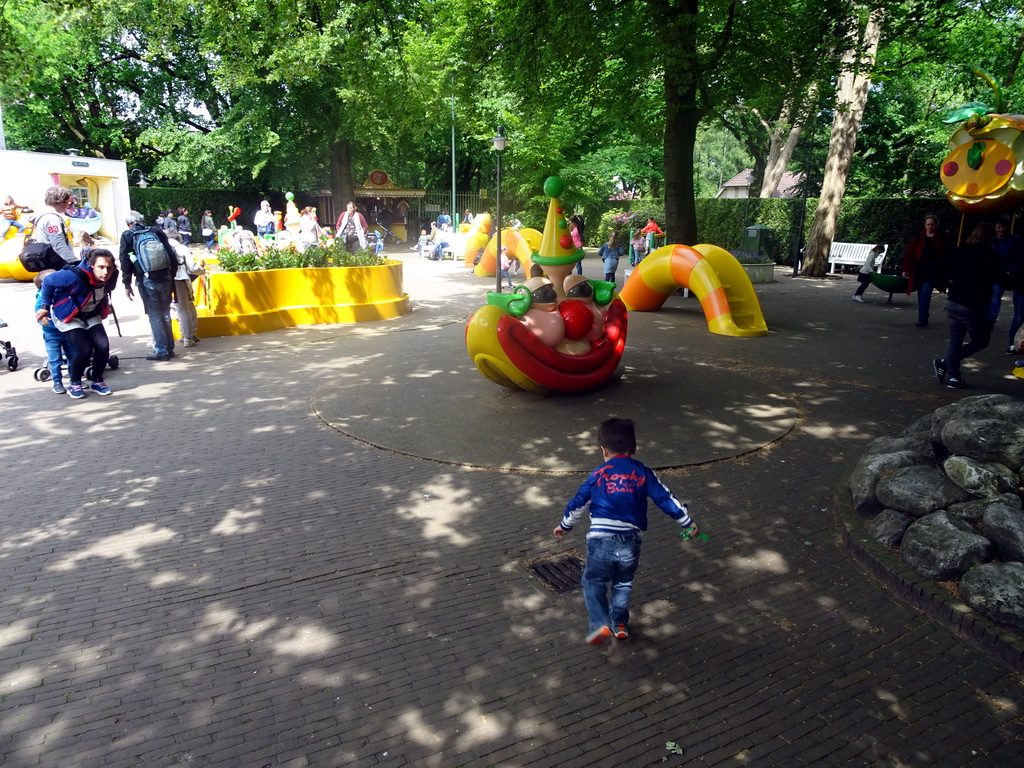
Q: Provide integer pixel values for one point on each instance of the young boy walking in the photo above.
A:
(617, 492)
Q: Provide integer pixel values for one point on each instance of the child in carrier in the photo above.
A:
(58, 346)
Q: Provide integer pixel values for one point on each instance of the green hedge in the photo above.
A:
(721, 222)
(861, 220)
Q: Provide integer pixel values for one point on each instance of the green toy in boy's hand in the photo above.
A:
(687, 535)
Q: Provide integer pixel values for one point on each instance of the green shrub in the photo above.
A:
(315, 256)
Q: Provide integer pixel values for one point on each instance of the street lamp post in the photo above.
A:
(499, 143)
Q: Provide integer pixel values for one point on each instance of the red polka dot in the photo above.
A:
(1003, 167)
(950, 169)
(972, 189)
(565, 241)
(558, 209)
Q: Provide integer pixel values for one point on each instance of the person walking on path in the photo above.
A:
(864, 273)
(610, 253)
(617, 493)
(1010, 249)
(155, 287)
(972, 270)
(923, 264)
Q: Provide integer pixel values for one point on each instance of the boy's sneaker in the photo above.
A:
(939, 366)
(858, 299)
(58, 388)
(75, 391)
(100, 388)
(598, 636)
(955, 382)
(622, 632)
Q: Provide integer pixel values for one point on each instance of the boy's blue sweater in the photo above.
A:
(617, 492)
(49, 331)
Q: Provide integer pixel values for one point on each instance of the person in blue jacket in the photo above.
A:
(76, 300)
(617, 493)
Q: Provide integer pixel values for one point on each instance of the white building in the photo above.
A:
(101, 183)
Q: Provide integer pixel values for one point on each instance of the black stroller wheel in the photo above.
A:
(12, 363)
(113, 362)
(44, 374)
(88, 372)
(37, 373)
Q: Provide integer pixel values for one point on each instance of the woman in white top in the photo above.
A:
(49, 223)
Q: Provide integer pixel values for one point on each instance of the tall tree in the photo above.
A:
(851, 98)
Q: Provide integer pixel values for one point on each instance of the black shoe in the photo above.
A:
(955, 382)
(939, 366)
(161, 358)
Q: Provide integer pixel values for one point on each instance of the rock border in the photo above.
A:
(918, 591)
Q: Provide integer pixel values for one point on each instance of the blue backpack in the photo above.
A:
(150, 254)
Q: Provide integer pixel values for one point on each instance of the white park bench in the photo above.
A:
(853, 254)
(456, 248)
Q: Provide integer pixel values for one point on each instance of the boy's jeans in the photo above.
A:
(58, 350)
(611, 560)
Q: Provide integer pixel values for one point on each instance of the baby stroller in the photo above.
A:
(375, 241)
(8, 350)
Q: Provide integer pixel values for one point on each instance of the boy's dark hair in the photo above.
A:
(617, 436)
(100, 253)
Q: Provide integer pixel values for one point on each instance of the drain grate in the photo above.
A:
(561, 573)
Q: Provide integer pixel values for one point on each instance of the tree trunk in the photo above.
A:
(682, 114)
(781, 153)
(851, 97)
(343, 190)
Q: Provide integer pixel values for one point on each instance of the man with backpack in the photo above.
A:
(146, 254)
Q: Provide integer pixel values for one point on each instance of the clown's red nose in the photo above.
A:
(578, 318)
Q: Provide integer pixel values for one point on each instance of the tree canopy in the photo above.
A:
(662, 98)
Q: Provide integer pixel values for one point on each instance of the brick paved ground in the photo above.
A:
(198, 571)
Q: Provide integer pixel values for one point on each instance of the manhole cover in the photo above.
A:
(561, 573)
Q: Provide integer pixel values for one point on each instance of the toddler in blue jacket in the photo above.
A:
(58, 346)
(617, 492)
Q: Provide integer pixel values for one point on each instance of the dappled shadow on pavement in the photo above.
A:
(198, 571)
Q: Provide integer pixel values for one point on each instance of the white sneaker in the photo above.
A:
(858, 299)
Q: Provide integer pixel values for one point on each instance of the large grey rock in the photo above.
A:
(970, 408)
(986, 440)
(940, 546)
(1011, 411)
(918, 490)
(921, 426)
(985, 479)
(888, 527)
(918, 444)
(973, 511)
(865, 476)
(1004, 527)
(996, 590)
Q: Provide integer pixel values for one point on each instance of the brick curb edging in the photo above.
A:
(924, 594)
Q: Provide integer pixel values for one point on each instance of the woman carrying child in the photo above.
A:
(75, 301)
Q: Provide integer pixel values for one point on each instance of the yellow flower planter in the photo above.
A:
(238, 303)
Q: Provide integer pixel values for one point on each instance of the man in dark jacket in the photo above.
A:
(970, 271)
(154, 287)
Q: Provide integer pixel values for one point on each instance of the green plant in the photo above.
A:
(314, 257)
